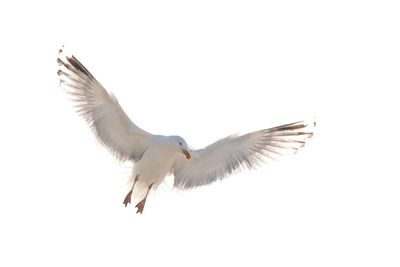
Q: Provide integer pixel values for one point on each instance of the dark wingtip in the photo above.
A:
(79, 66)
(61, 49)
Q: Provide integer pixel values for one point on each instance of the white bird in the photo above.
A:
(157, 156)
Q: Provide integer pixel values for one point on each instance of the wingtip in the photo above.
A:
(64, 52)
(311, 123)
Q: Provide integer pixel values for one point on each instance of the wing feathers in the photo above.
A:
(101, 110)
(235, 153)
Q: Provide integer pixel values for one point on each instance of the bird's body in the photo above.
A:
(156, 162)
(156, 156)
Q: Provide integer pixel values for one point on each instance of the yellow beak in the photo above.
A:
(187, 154)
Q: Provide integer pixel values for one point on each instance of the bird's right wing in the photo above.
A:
(234, 153)
(101, 111)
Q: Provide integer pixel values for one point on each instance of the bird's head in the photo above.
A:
(181, 146)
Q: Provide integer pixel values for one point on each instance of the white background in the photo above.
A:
(203, 70)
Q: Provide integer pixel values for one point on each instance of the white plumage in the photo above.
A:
(234, 153)
(156, 156)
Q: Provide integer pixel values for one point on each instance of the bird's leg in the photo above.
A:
(129, 195)
(140, 205)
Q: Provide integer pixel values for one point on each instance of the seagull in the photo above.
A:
(157, 156)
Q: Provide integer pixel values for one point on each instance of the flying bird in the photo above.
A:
(157, 156)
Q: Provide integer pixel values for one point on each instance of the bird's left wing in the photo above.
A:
(101, 110)
(234, 153)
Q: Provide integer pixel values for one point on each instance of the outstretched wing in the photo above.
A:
(101, 111)
(234, 153)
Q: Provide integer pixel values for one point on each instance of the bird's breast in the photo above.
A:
(156, 163)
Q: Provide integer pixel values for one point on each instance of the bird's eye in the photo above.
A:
(180, 143)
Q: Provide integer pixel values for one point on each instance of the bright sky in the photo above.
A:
(204, 70)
